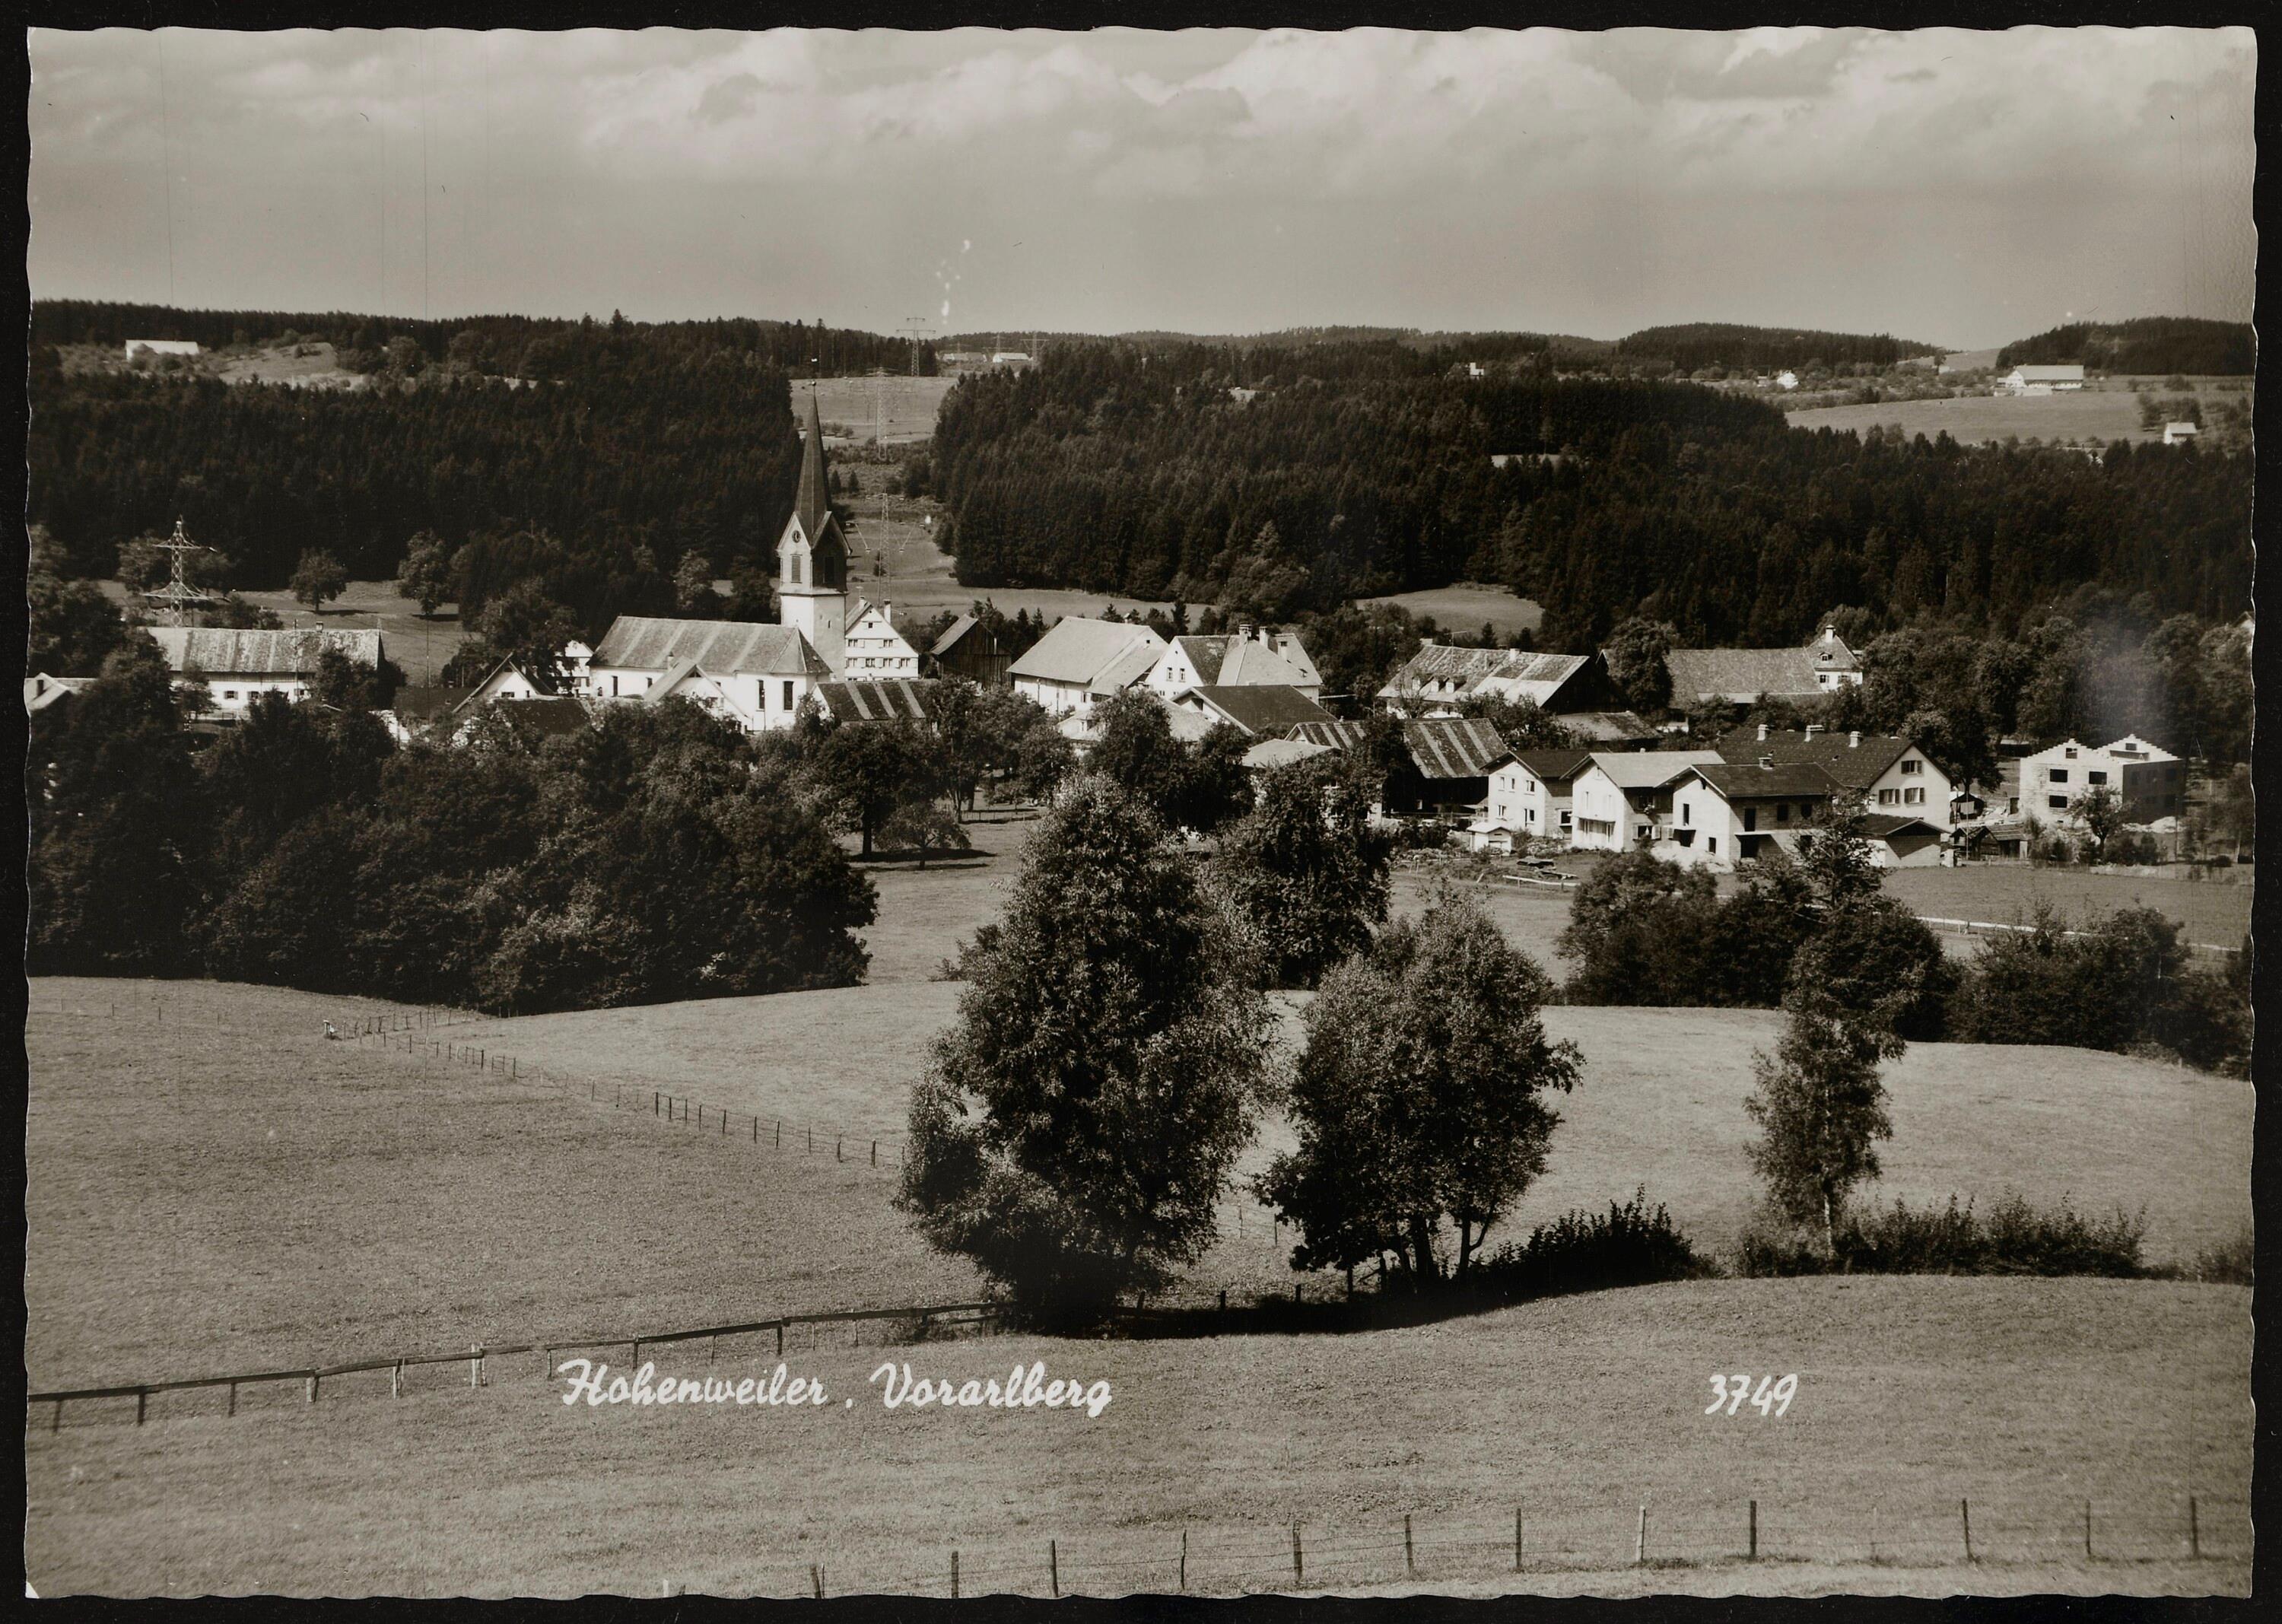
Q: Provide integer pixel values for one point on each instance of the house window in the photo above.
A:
(2057, 775)
(2058, 803)
(1565, 816)
(1913, 796)
(1643, 831)
(1889, 797)
(1783, 812)
(2070, 754)
(1686, 813)
(1712, 845)
(1531, 815)
(788, 696)
(1913, 765)
(2095, 777)
(1751, 817)
(229, 693)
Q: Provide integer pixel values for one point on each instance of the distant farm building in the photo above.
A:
(967, 649)
(1081, 661)
(159, 346)
(2041, 380)
(2179, 434)
(1439, 677)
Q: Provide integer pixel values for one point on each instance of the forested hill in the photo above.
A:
(502, 346)
(1142, 474)
(2155, 344)
(1117, 470)
(1721, 344)
(641, 445)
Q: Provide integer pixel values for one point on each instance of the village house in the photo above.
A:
(1269, 754)
(892, 699)
(1619, 801)
(1531, 792)
(1891, 774)
(1728, 812)
(876, 649)
(1253, 658)
(1080, 661)
(529, 722)
(240, 666)
(2150, 781)
(510, 680)
(1262, 711)
(41, 690)
(2179, 434)
(1439, 677)
(2040, 380)
(1746, 676)
(414, 711)
(1446, 761)
(965, 649)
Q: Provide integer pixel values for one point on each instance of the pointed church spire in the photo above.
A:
(810, 505)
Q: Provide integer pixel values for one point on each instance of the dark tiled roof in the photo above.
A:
(1857, 767)
(1261, 709)
(888, 699)
(1743, 781)
(222, 651)
(420, 704)
(532, 719)
(1610, 726)
(1554, 766)
(1881, 826)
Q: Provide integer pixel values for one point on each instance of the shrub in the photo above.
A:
(2230, 1262)
(1630, 1245)
(2015, 1238)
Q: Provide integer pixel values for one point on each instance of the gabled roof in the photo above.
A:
(40, 690)
(1553, 766)
(1269, 754)
(1102, 654)
(1649, 769)
(1884, 826)
(1231, 661)
(1739, 675)
(1262, 709)
(952, 632)
(535, 719)
(225, 651)
(1449, 747)
(1857, 766)
(421, 704)
(890, 699)
(726, 648)
(1744, 780)
(2071, 373)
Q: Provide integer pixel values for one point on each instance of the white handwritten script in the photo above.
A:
(898, 1389)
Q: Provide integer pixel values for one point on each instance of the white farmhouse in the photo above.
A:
(2040, 380)
(1248, 658)
(1621, 801)
(753, 673)
(1891, 773)
(240, 666)
(1080, 661)
(876, 650)
(2150, 780)
(1531, 792)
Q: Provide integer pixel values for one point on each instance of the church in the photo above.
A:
(761, 675)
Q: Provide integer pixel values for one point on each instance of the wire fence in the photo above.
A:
(1519, 1547)
(1982, 927)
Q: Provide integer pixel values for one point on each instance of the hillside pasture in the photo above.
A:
(2107, 410)
(910, 404)
(1466, 606)
(2028, 1397)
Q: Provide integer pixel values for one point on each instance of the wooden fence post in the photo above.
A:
(1516, 1539)
(233, 1400)
(1409, 1562)
(876, 1153)
(396, 1380)
(954, 1575)
(2087, 1530)
(815, 1579)
(2194, 1531)
(1754, 1555)
(780, 1339)
(1053, 1568)
(779, 1135)
(141, 1403)
(836, 1149)
(476, 1369)
(1640, 1548)
(1184, 1554)
(313, 1386)
(1965, 1516)
(1299, 1565)
(56, 1420)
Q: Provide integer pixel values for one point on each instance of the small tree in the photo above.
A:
(425, 575)
(693, 584)
(865, 770)
(923, 828)
(319, 578)
(1078, 1124)
(2100, 811)
(1307, 869)
(1820, 1107)
(1419, 1097)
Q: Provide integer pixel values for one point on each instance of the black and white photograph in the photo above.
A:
(1226, 812)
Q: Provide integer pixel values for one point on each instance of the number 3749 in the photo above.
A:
(1730, 1394)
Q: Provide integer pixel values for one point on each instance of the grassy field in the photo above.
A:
(418, 644)
(2028, 1397)
(910, 404)
(2099, 414)
(2214, 913)
(1466, 605)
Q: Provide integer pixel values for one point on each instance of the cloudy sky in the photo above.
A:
(1955, 187)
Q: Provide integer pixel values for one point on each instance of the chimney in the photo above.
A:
(1766, 764)
(1853, 741)
(1763, 733)
(1813, 728)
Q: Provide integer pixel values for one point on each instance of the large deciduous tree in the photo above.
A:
(1419, 1099)
(425, 575)
(1306, 869)
(1077, 1124)
(319, 578)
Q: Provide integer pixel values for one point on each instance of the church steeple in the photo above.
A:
(811, 505)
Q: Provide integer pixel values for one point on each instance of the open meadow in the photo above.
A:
(419, 644)
(1466, 606)
(908, 406)
(2029, 1398)
(2106, 411)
